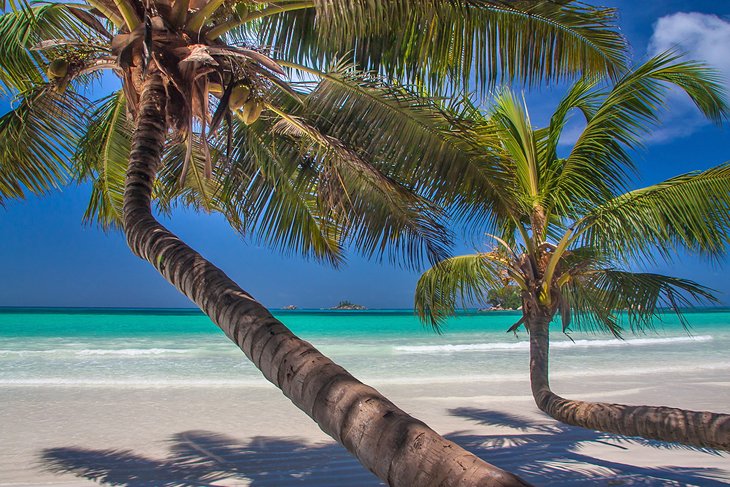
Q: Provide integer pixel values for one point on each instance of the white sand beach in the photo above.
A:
(191, 436)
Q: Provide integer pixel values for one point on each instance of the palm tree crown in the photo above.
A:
(271, 125)
(565, 226)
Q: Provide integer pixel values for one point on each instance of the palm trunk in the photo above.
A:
(700, 429)
(395, 446)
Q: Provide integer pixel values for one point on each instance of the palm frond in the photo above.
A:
(271, 194)
(447, 44)
(691, 211)
(196, 190)
(583, 97)
(493, 203)
(463, 279)
(704, 85)
(102, 157)
(600, 161)
(585, 307)
(380, 215)
(23, 28)
(419, 139)
(37, 136)
(601, 299)
(517, 137)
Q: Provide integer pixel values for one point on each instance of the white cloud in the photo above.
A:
(701, 37)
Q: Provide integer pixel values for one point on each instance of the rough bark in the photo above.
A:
(398, 448)
(695, 428)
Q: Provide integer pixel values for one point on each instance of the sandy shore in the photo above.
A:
(231, 436)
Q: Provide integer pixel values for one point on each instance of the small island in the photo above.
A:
(290, 307)
(348, 306)
(507, 298)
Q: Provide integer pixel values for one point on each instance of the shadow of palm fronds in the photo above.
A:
(546, 452)
(201, 458)
(543, 453)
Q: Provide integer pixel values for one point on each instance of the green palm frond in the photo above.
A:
(196, 190)
(691, 211)
(366, 112)
(339, 148)
(602, 299)
(435, 152)
(37, 136)
(453, 43)
(21, 29)
(462, 279)
(516, 134)
(102, 157)
(583, 97)
(704, 85)
(600, 161)
(273, 197)
(381, 216)
(492, 203)
(587, 308)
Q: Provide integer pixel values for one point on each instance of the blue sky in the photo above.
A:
(50, 259)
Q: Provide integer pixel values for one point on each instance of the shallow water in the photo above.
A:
(182, 348)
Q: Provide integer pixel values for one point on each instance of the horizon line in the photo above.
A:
(193, 308)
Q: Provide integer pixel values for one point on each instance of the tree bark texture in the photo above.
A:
(398, 448)
(695, 428)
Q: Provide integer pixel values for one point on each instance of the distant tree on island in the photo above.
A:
(347, 305)
(507, 297)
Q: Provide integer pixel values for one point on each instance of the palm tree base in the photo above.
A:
(694, 428)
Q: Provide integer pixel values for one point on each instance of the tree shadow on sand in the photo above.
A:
(202, 458)
(544, 454)
(550, 453)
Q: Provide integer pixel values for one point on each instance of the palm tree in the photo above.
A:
(208, 116)
(567, 233)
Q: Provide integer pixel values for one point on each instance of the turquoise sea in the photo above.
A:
(182, 348)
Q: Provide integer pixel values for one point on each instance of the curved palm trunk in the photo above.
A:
(700, 429)
(395, 446)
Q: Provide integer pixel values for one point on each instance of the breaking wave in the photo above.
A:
(524, 345)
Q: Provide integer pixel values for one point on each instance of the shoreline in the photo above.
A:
(254, 436)
(143, 399)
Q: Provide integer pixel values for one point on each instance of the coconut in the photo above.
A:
(58, 68)
(252, 111)
(239, 96)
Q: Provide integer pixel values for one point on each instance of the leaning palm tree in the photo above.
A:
(566, 233)
(249, 108)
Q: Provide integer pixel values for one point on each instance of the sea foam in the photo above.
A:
(85, 352)
(524, 345)
(135, 383)
(133, 352)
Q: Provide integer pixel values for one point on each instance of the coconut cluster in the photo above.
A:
(242, 99)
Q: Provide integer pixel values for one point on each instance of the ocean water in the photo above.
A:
(182, 348)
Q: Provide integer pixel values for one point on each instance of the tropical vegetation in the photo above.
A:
(304, 123)
(570, 232)
(506, 297)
